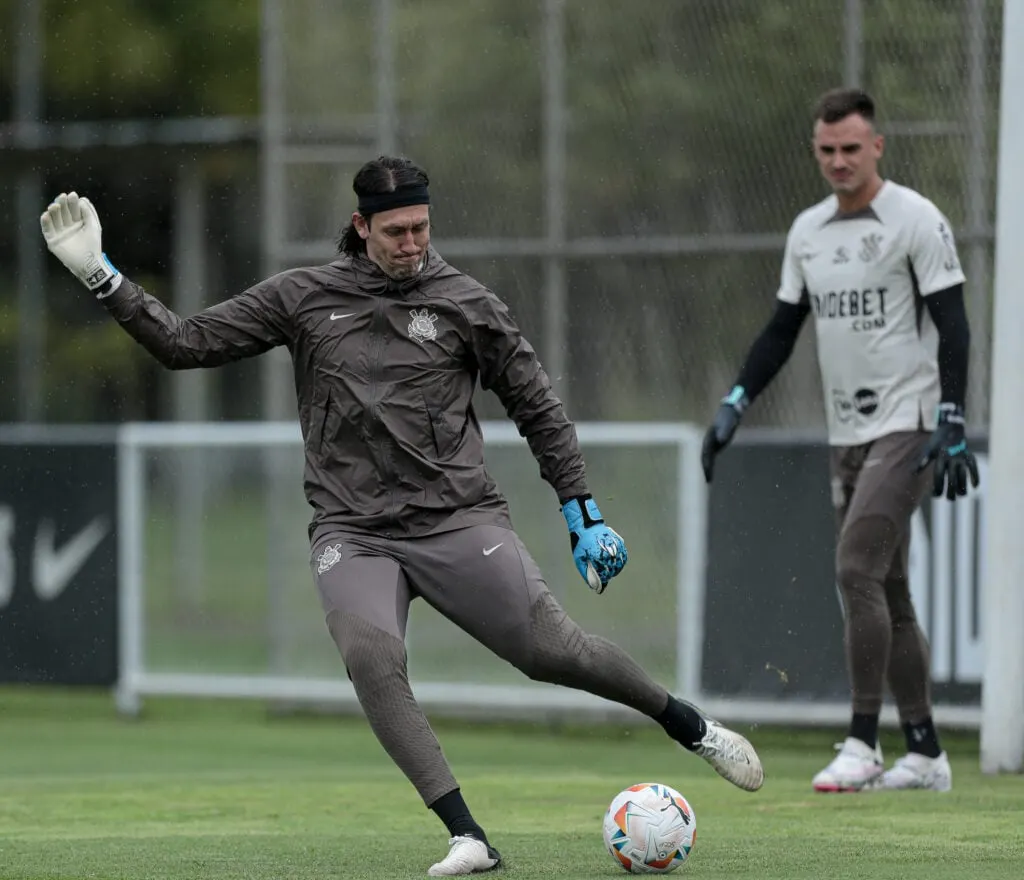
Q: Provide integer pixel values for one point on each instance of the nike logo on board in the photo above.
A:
(53, 568)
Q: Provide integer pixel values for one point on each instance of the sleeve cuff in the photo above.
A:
(112, 285)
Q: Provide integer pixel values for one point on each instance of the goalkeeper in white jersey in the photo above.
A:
(876, 265)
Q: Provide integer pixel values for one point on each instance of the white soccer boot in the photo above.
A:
(918, 771)
(466, 855)
(732, 756)
(857, 766)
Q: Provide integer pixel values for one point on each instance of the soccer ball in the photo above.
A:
(650, 828)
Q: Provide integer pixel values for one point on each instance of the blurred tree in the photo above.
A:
(116, 60)
(151, 59)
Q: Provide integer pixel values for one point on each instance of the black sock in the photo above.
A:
(452, 810)
(922, 738)
(864, 728)
(683, 723)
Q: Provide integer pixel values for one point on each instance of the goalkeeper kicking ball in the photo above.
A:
(650, 828)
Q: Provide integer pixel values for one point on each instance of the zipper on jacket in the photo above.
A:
(376, 351)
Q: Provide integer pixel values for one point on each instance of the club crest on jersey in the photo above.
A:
(870, 247)
(422, 328)
(330, 557)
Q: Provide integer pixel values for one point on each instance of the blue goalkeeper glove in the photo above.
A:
(599, 552)
(947, 447)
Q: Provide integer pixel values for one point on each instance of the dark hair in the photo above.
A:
(837, 104)
(382, 175)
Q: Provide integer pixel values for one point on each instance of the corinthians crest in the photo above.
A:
(422, 328)
(329, 558)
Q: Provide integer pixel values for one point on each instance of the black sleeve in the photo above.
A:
(773, 347)
(947, 311)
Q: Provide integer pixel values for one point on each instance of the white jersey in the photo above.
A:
(864, 276)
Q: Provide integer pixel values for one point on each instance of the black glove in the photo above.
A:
(947, 447)
(727, 419)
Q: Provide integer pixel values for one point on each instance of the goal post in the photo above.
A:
(252, 627)
(255, 630)
(1002, 726)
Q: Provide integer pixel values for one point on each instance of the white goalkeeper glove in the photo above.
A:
(73, 235)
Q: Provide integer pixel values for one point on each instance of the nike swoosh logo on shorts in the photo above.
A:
(335, 317)
(490, 550)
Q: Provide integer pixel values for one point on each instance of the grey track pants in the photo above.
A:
(876, 491)
(485, 582)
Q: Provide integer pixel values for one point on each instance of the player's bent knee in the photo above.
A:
(369, 653)
(558, 646)
(864, 556)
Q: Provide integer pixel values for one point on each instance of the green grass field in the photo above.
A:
(223, 790)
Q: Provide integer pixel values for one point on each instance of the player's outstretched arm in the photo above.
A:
(244, 326)
(766, 357)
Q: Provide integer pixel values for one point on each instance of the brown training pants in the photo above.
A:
(875, 493)
(483, 580)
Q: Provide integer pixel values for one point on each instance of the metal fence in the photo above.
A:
(625, 176)
(622, 174)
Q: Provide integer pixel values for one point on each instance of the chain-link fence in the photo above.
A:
(624, 174)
